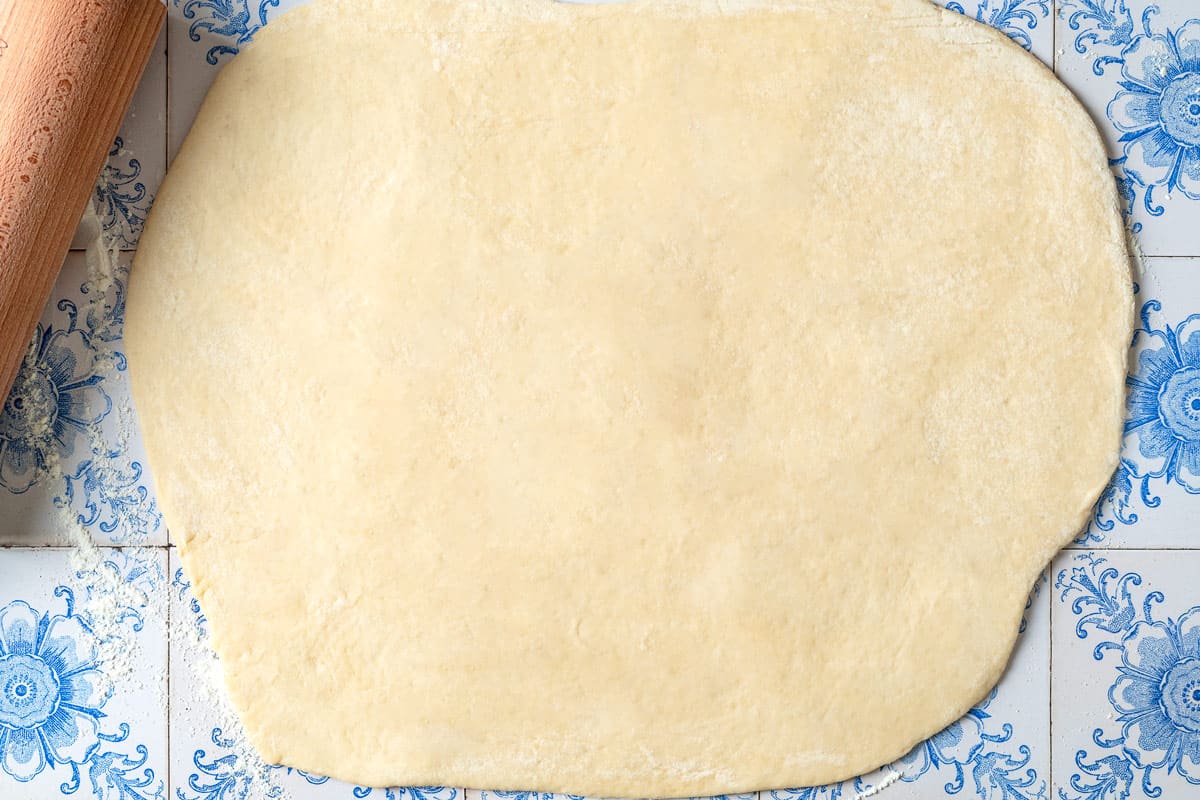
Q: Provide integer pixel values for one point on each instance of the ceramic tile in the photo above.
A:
(203, 36)
(137, 162)
(1154, 498)
(1133, 64)
(1126, 683)
(82, 674)
(70, 452)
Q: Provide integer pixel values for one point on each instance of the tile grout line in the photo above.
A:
(1110, 548)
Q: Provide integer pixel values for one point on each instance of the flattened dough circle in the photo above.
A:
(629, 400)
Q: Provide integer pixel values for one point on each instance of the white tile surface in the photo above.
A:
(138, 160)
(88, 464)
(1153, 502)
(117, 649)
(1126, 684)
(202, 36)
(1100, 44)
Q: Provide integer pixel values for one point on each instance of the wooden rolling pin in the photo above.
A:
(68, 69)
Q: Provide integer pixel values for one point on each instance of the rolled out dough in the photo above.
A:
(628, 400)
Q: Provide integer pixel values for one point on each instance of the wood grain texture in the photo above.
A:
(68, 70)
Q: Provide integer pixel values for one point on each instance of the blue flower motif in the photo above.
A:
(51, 691)
(1156, 692)
(1158, 112)
(56, 396)
(1101, 598)
(1116, 503)
(832, 791)
(1110, 776)
(1157, 695)
(1163, 423)
(118, 775)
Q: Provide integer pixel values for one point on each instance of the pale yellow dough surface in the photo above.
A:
(625, 400)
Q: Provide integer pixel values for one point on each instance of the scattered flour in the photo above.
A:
(208, 715)
(106, 602)
(887, 781)
(105, 596)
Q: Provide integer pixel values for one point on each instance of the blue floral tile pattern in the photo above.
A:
(1151, 731)
(234, 21)
(65, 725)
(122, 200)
(51, 690)
(1158, 694)
(56, 396)
(1164, 400)
(1140, 65)
(1162, 426)
(113, 497)
(966, 751)
(1158, 111)
(66, 429)
(526, 796)
(1158, 476)
(222, 773)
